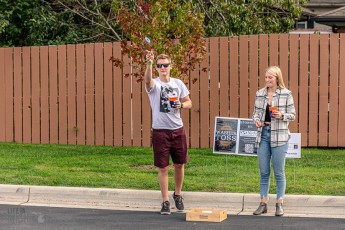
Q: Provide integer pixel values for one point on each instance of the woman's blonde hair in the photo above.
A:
(275, 71)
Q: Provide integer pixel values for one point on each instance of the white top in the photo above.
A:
(163, 116)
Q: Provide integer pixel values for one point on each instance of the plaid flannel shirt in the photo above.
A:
(282, 99)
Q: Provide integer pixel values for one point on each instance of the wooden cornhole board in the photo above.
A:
(207, 215)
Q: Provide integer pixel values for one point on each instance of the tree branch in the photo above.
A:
(85, 8)
(205, 11)
(108, 27)
(107, 22)
(98, 35)
(219, 12)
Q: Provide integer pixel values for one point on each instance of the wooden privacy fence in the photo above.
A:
(72, 94)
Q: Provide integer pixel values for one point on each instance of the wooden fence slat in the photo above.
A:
(303, 89)
(234, 83)
(62, 98)
(44, 75)
(263, 46)
(9, 94)
(53, 96)
(341, 112)
(136, 112)
(35, 97)
(90, 94)
(81, 103)
(254, 70)
(71, 95)
(126, 98)
(195, 111)
(293, 77)
(244, 92)
(284, 56)
(108, 95)
(2, 96)
(323, 90)
(314, 90)
(273, 43)
(214, 75)
(205, 133)
(17, 87)
(99, 91)
(224, 77)
(333, 91)
(214, 83)
(26, 94)
(118, 78)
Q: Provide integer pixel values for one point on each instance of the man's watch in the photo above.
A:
(181, 105)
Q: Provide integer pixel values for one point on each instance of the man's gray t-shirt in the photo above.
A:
(163, 115)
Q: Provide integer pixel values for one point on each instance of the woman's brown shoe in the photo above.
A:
(279, 209)
(261, 209)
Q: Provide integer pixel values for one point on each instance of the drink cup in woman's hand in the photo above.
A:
(273, 111)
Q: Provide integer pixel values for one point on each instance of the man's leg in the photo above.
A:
(163, 180)
(178, 176)
(179, 156)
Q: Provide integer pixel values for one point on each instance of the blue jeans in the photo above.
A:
(265, 153)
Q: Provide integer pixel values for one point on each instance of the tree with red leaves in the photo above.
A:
(164, 26)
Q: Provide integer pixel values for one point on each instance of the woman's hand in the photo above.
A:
(258, 124)
(277, 115)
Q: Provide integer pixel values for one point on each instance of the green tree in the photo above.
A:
(44, 22)
(35, 22)
(239, 17)
(222, 17)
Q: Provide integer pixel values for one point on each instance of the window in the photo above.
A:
(302, 25)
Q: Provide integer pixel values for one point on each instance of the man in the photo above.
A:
(168, 135)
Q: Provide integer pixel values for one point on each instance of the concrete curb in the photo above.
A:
(14, 194)
(126, 199)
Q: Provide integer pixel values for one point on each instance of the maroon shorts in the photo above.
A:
(169, 143)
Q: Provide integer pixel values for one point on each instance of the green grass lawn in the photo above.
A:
(318, 172)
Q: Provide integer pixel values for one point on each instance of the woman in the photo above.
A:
(273, 134)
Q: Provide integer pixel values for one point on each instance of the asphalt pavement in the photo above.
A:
(16, 217)
(87, 206)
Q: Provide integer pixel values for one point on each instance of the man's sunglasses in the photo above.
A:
(166, 65)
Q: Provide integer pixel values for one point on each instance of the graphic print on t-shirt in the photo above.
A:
(166, 93)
